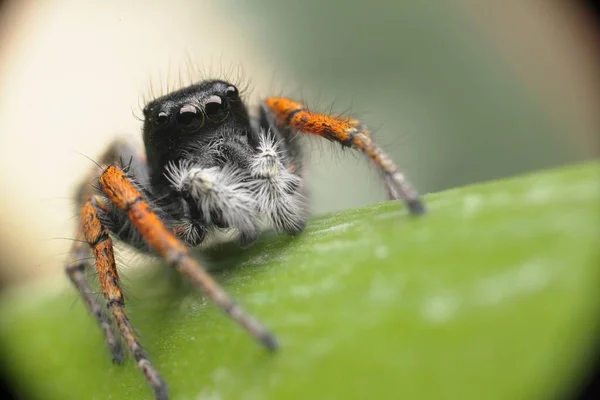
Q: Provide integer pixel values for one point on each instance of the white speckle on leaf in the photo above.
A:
(261, 298)
(530, 276)
(329, 284)
(489, 293)
(391, 214)
(209, 394)
(382, 252)
(256, 260)
(335, 228)
(328, 247)
(471, 204)
(440, 309)
(303, 292)
(539, 194)
(533, 275)
(220, 375)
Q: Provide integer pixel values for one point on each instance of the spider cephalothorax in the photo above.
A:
(207, 166)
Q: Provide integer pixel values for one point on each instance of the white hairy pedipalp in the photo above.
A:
(222, 191)
(278, 190)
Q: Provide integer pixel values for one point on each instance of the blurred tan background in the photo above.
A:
(458, 91)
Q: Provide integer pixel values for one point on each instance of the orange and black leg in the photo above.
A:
(77, 264)
(101, 244)
(76, 268)
(349, 132)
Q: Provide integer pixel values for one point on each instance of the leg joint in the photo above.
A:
(78, 267)
(118, 302)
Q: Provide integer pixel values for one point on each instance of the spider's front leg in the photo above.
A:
(99, 240)
(286, 113)
(77, 263)
(122, 193)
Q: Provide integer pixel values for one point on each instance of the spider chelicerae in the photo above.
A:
(207, 166)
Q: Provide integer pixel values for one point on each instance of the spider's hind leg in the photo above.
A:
(348, 132)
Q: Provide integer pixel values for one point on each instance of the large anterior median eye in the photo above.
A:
(189, 118)
(216, 108)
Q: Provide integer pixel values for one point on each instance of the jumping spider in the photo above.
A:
(207, 166)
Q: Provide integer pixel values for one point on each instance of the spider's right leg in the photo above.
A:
(99, 240)
(76, 267)
(77, 262)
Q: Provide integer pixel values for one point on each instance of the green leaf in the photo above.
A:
(491, 295)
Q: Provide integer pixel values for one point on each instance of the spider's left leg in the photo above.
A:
(287, 113)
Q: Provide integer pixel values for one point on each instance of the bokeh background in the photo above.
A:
(458, 91)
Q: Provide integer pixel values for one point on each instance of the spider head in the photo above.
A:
(192, 118)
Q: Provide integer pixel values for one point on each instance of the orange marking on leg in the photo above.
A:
(323, 125)
(118, 188)
(75, 269)
(294, 114)
(97, 237)
(162, 240)
(107, 271)
(92, 228)
(283, 107)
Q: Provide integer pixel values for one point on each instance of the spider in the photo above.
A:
(207, 166)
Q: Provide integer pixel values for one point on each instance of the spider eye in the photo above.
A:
(216, 109)
(232, 92)
(162, 118)
(189, 119)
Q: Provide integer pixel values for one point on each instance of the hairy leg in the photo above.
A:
(76, 270)
(77, 264)
(101, 244)
(348, 132)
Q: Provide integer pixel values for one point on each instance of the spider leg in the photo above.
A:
(122, 193)
(75, 269)
(99, 240)
(348, 132)
(77, 263)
